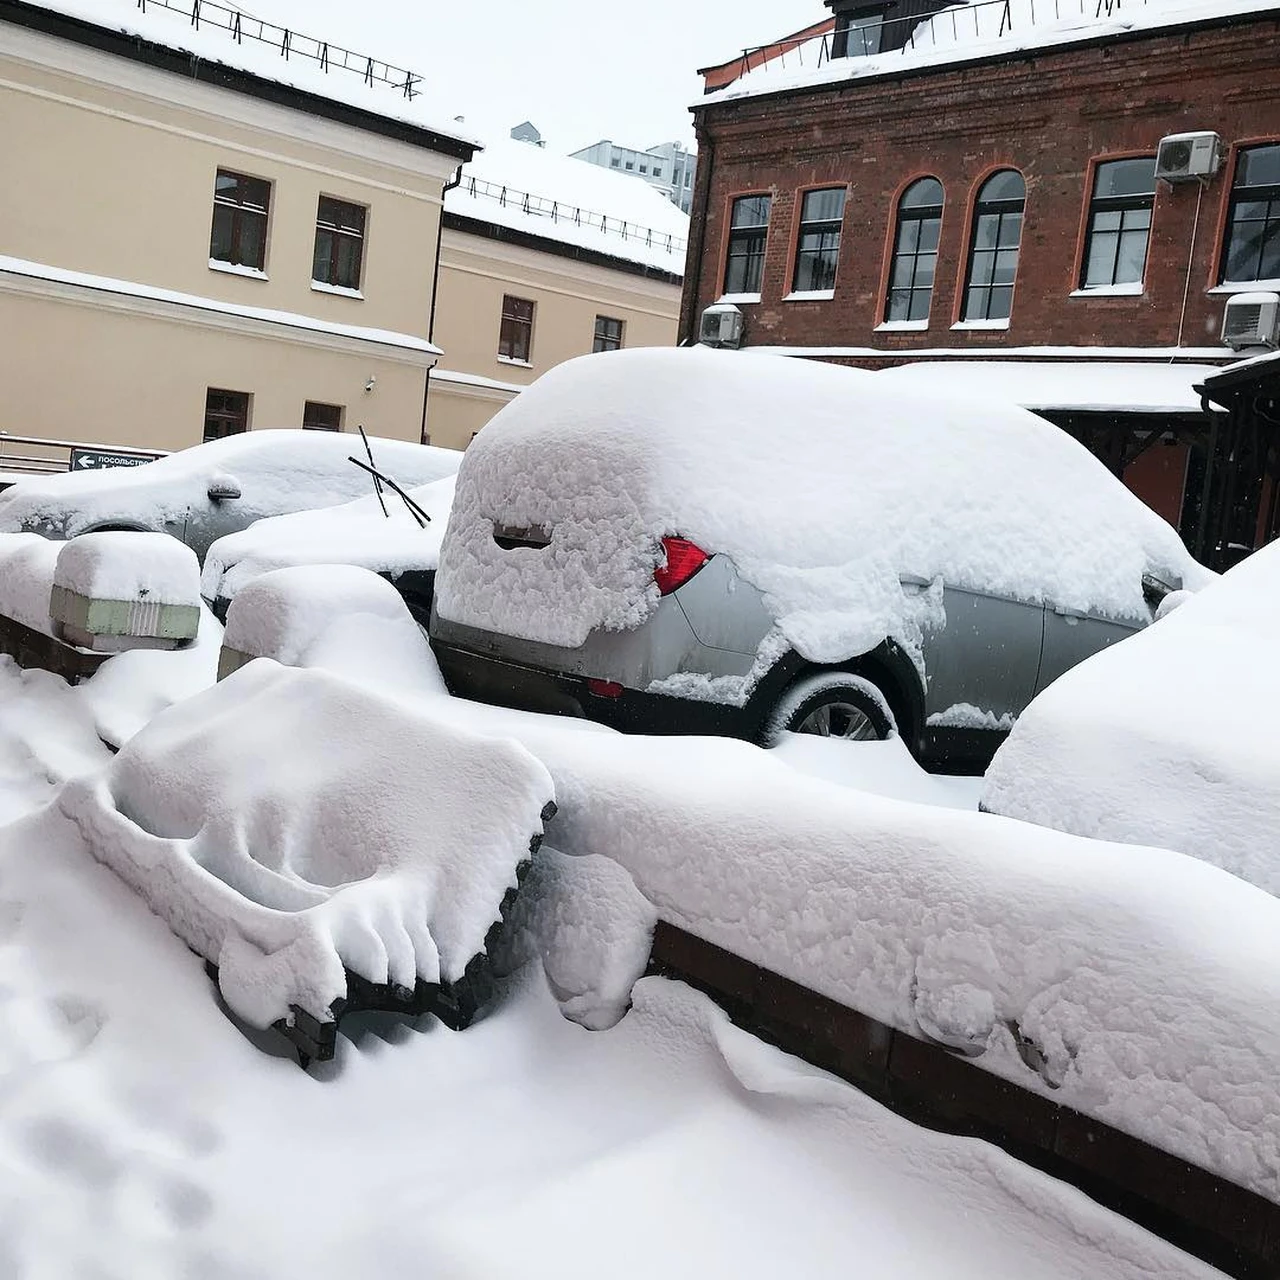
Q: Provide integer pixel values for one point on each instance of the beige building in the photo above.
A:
(543, 258)
(190, 247)
(201, 236)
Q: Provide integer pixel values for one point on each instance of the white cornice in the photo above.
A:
(164, 91)
(121, 297)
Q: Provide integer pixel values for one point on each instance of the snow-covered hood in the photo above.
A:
(277, 471)
(355, 533)
(824, 485)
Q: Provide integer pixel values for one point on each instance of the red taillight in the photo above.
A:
(604, 688)
(684, 559)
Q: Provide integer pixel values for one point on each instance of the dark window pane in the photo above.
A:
(924, 270)
(1125, 178)
(347, 275)
(226, 413)
(1001, 304)
(223, 229)
(515, 337)
(322, 417)
(823, 206)
(1101, 265)
(986, 231)
(1005, 185)
(1010, 231)
(608, 334)
(925, 193)
(1259, 166)
(751, 211)
(239, 232)
(323, 255)
(1131, 257)
(929, 229)
(1006, 266)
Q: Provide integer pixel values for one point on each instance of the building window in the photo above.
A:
(644, 168)
(1253, 221)
(240, 208)
(858, 34)
(515, 340)
(226, 413)
(608, 334)
(321, 417)
(993, 254)
(630, 164)
(748, 229)
(615, 163)
(657, 171)
(915, 251)
(1119, 223)
(339, 243)
(818, 245)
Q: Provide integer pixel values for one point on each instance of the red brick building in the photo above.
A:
(980, 183)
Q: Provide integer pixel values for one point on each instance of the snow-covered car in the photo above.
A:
(1168, 740)
(200, 494)
(733, 542)
(390, 542)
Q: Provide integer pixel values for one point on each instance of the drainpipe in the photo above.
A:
(453, 182)
(693, 262)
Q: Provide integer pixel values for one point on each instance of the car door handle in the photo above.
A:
(1072, 615)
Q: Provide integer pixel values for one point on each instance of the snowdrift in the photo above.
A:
(1166, 739)
(291, 827)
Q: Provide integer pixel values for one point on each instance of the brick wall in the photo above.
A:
(1047, 114)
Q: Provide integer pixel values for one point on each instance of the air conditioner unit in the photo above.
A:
(721, 326)
(1252, 320)
(1188, 157)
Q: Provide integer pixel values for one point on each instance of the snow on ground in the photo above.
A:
(609, 453)
(141, 1135)
(356, 533)
(1168, 738)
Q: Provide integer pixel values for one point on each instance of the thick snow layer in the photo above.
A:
(286, 824)
(516, 184)
(339, 618)
(1135, 985)
(277, 471)
(824, 485)
(211, 40)
(152, 567)
(356, 533)
(1145, 388)
(982, 30)
(27, 565)
(1170, 742)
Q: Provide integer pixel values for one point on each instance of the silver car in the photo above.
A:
(537, 540)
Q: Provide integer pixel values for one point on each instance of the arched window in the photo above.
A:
(915, 251)
(993, 254)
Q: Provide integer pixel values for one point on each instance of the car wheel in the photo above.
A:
(832, 705)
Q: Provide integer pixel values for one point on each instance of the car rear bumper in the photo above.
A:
(484, 678)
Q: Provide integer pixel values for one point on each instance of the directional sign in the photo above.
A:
(97, 459)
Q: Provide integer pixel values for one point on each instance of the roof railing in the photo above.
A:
(289, 44)
(977, 21)
(558, 212)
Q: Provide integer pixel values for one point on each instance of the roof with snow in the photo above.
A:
(213, 42)
(525, 188)
(1084, 387)
(983, 29)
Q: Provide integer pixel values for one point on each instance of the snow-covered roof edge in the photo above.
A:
(217, 44)
(1179, 15)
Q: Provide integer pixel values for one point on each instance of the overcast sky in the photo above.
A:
(580, 71)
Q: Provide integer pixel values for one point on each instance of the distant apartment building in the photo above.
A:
(544, 258)
(668, 166)
(201, 236)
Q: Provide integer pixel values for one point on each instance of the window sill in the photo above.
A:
(989, 325)
(737, 297)
(1246, 286)
(319, 286)
(1110, 291)
(901, 326)
(519, 364)
(810, 295)
(235, 269)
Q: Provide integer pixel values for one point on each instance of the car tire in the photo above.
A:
(831, 704)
